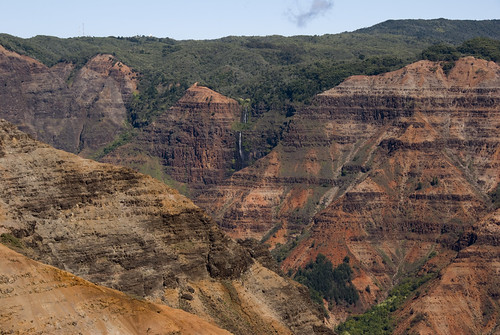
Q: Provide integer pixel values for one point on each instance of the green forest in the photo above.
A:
(329, 283)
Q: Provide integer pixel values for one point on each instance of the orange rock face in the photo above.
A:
(465, 298)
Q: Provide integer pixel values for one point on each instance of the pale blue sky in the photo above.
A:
(204, 19)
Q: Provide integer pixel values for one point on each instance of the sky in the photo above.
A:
(205, 19)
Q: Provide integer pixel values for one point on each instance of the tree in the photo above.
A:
(327, 282)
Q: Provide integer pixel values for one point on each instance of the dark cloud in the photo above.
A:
(318, 7)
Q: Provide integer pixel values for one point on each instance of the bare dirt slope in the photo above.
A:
(40, 299)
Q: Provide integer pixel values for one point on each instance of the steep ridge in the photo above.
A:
(465, 299)
(127, 231)
(192, 142)
(40, 299)
(78, 110)
(390, 168)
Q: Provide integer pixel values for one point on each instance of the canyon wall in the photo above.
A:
(385, 169)
(403, 121)
(127, 231)
(78, 110)
(465, 297)
(192, 142)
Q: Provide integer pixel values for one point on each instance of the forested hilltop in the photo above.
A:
(277, 74)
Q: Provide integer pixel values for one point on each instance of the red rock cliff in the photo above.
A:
(389, 168)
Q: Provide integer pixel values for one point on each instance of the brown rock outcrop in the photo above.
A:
(127, 231)
(77, 110)
(40, 299)
(193, 141)
(389, 168)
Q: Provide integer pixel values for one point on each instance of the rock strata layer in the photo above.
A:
(127, 231)
(40, 299)
(465, 298)
(384, 169)
(192, 142)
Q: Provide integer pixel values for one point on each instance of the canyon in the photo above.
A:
(351, 132)
(388, 170)
(396, 171)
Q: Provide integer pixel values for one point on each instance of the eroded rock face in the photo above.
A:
(389, 168)
(76, 110)
(193, 142)
(40, 299)
(331, 146)
(465, 298)
(127, 231)
(431, 159)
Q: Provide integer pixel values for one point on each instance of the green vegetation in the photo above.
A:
(329, 283)
(120, 140)
(11, 241)
(447, 54)
(280, 252)
(447, 31)
(379, 319)
(441, 52)
(481, 47)
(495, 197)
(434, 181)
(271, 232)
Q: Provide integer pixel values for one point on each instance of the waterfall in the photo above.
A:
(245, 120)
(239, 146)
(245, 116)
